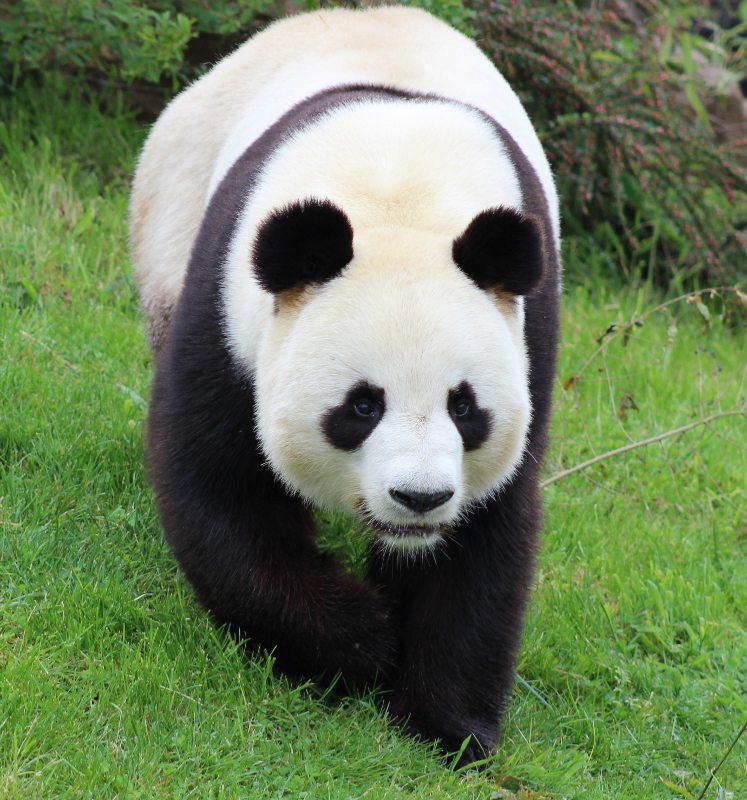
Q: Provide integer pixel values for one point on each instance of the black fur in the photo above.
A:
(348, 425)
(474, 424)
(501, 249)
(442, 634)
(306, 242)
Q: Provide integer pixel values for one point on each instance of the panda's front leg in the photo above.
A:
(258, 571)
(246, 545)
(461, 623)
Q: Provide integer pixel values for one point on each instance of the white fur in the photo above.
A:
(430, 167)
(403, 318)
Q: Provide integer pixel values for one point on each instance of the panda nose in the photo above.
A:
(421, 501)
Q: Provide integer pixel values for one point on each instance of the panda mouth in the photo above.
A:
(389, 529)
(408, 541)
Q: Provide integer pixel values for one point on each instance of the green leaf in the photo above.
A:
(701, 113)
(132, 396)
(633, 191)
(687, 54)
(675, 788)
(665, 51)
(31, 291)
(84, 222)
(606, 55)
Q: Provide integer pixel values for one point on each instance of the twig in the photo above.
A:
(718, 767)
(603, 456)
(617, 330)
(50, 351)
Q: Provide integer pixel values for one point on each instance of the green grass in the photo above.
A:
(113, 684)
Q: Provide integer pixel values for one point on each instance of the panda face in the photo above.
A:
(396, 389)
(374, 293)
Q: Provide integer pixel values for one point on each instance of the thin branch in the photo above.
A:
(615, 331)
(50, 351)
(602, 457)
(714, 771)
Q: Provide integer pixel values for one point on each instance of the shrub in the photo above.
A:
(647, 189)
(454, 12)
(121, 40)
(619, 104)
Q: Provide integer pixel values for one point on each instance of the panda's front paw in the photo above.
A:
(362, 643)
(460, 744)
(472, 754)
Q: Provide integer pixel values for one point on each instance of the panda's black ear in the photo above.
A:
(501, 249)
(310, 241)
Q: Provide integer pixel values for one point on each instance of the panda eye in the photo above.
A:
(460, 407)
(365, 407)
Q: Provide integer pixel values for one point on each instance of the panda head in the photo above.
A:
(392, 379)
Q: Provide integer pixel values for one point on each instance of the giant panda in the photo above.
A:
(346, 242)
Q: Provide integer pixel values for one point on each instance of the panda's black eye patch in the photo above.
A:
(348, 425)
(473, 423)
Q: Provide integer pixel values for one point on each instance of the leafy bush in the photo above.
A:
(619, 104)
(143, 40)
(119, 39)
(454, 12)
(648, 190)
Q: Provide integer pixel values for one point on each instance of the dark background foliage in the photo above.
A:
(638, 104)
(633, 107)
(122, 40)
